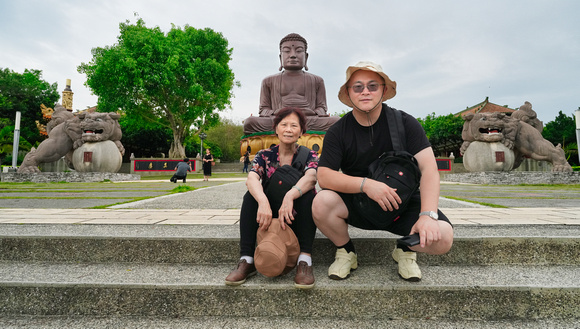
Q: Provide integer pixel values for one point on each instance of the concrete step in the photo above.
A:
(169, 290)
(209, 322)
(215, 244)
(493, 274)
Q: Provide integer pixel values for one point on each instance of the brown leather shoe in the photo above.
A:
(304, 278)
(240, 273)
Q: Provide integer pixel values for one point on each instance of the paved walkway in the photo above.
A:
(219, 205)
(458, 216)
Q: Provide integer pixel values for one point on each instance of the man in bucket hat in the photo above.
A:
(350, 146)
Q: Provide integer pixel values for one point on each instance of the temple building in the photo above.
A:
(486, 107)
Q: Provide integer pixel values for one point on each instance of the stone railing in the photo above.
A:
(69, 177)
(514, 177)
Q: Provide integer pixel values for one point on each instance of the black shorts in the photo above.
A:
(400, 226)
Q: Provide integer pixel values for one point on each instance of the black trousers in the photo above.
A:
(176, 177)
(303, 224)
(400, 226)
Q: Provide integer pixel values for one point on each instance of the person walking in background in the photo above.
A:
(246, 161)
(181, 170)
(207, 163)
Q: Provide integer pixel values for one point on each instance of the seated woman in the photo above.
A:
(295, 211)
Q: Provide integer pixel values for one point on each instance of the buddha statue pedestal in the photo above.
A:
(263, 140)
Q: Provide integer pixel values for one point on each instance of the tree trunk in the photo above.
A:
(177, 150)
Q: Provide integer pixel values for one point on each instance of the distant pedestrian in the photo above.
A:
(208, 161)
(181, 171)
(246, 161)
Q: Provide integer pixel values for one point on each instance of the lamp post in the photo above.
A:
(578, 129)
(202, 136)
(16, 140)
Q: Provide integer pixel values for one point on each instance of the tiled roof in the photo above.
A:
(486, 107)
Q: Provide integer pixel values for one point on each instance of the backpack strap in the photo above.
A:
(397, 129)
(300, 160)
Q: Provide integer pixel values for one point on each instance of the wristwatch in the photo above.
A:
(432, 214)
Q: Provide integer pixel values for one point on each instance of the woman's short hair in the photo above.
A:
(286, 112)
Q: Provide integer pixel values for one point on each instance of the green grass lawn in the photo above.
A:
(147, 187)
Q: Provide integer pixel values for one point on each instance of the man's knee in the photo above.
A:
(318, 204)
(325, 204)
(446, 241)
(446, 237)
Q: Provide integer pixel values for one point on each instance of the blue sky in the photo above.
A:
(444, 55)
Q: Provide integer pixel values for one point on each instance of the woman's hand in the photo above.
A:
(264, 216)
(286, 212)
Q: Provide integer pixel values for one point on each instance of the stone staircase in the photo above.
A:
(162, 276)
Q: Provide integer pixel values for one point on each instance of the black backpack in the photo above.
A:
(398, 169)
(284, 178)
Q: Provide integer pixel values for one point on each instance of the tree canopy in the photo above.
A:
(25, 92)
(563, 131)
(179, 79)
(560, 131)
(143, 138)
(227, 137)
(444, 133)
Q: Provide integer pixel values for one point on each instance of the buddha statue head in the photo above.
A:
(293, 55)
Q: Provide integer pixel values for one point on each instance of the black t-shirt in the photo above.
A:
(347, 145)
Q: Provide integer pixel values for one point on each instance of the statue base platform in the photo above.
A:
(514, 177)
(69, 177)
(264, 140)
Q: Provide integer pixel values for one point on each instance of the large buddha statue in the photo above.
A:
(294, 87)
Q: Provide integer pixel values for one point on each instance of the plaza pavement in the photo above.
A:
(220, 205)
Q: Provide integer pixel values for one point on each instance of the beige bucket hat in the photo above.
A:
(368, 66)
(277, 251)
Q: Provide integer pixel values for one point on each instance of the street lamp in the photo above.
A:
(578, 130)
(16, 140)
(202, 136)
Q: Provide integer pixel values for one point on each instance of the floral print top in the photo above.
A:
(268, 160)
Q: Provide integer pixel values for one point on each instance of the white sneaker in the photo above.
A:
(343, 263)
(408, 268)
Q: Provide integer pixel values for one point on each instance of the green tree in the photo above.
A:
(560, 131)
(226, 135)
(7, 144)
(194, 147)
(143, 138)
(6, 139)
(25, 92)
(444, 133)
(571, 151)
(180, 79)
(563, 131)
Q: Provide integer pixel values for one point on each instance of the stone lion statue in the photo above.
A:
(67, 132)
(520, 132)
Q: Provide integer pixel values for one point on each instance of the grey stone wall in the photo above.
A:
(514, 177)
(56, 166)
(219, 167)
(70, 177)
